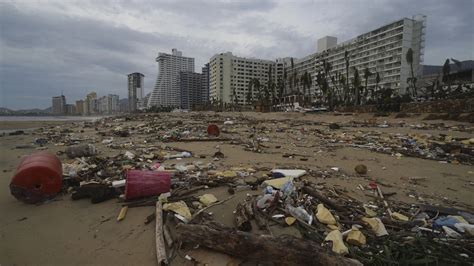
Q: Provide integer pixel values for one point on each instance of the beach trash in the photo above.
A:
(141, 184)
(213, 130)
(85, 150)
(38, 177)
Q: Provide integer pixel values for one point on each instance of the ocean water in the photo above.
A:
(49, 118)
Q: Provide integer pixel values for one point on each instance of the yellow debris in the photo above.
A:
(400, 217)
(290, 220)
(324, 215)
(122, 213)
(355, 237)
(337, 243)
(207, 199)
(180, 208)
(377, 226)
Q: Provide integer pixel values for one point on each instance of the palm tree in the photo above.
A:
(409, 58)
(249, 92)
(367, 75)
(377, 81)
(346, 89)
(446, 70)
(356, 85)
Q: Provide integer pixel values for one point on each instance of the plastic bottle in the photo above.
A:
(85, 150)
(300, 213)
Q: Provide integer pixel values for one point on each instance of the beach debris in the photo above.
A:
(361, 169)
(338, 245)
(324, 215)
(376, 225)
(84, 150)
(356, 237)
(122, 213)
(37, 178)
(207, 199)
(180, 208)
(213, 130)
(141, 183)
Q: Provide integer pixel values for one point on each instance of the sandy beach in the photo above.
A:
(66, 232)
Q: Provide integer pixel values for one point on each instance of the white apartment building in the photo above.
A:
(229, 74)
(167, 91)
(382, 51)
(108, 104)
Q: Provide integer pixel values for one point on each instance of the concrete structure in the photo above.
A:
(90, 104)
(108, 104)
(192, 91)
(230, 76)
(381, 50)
(70, 109)
(205, 83)
(135, 90)
(326, 43)
(167, 91)
(59, 105)
(80, 107)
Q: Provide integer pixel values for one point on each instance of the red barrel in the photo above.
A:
(213, 130)
(37, 178)
(141, 184)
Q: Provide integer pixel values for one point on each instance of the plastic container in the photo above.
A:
(38, 177)
(141, 184)
(213, 130)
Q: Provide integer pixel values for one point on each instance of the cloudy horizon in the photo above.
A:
(74, 47)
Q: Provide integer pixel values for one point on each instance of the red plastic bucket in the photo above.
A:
(213, 130)
(38, 177)
(141, 184)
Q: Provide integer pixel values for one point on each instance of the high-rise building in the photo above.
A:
(167, 91)
(191, 89)
(70, 109)
(80, 107)
(108, 104)
(135, 90)
(205, 83)
(59, 105)
(90, 104)
(230, 76)
(382, 50)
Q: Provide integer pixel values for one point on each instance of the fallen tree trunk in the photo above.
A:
(282, 250)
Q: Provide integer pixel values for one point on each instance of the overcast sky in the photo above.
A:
(74, 47)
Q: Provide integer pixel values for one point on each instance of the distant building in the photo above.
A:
(382, 50)
(191, 89)
(90, 104)
(135, 90)
(167, 91)
(108, 104)
(123, 105)
(230, 76)
(59, 105)
(205, 83)
(70, 109)
(80, 107)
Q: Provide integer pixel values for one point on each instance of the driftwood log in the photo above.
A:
(243, 217)
(159, 239)
(282, 250)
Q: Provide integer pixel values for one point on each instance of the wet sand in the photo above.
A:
(69, 232)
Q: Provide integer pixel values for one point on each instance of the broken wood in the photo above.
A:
(242, 218)
(331, 204)
(283, 250)
(159, 238)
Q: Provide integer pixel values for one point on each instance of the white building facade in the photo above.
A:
(381, 51)
(230, 76)
(167, 90)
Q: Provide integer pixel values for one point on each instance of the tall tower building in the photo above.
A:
(135, 90)
(59, 105)
(167, 90)
(205, 83)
